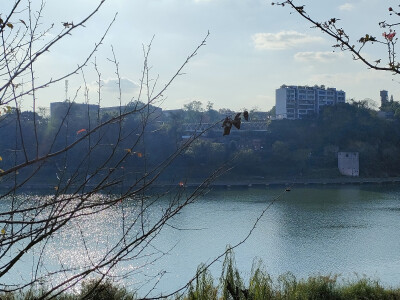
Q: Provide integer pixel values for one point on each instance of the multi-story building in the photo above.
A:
(296, 102)
(59, 110)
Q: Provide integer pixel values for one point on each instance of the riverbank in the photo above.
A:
(261, 286)
(247, 183)
(297, 182)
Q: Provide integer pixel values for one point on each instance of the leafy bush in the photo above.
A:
(104, 290)
(367, 289)
(204, 288)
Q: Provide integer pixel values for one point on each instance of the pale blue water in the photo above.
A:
(307, 231)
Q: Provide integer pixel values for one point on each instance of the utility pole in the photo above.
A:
(66, 91)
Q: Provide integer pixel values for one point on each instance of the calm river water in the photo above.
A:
(307, 231)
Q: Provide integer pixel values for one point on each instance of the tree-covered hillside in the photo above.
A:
(301, 148)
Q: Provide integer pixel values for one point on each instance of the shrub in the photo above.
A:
(367, 289)
(204, 288)
(260, 284)
(320, 287)
(95, 289)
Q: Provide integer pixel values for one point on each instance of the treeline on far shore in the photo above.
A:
(127, 149)
(231, 286)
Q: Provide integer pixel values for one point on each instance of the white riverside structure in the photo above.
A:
(296, 102)
(348, 163)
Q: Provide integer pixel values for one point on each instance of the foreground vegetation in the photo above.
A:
(231, 286)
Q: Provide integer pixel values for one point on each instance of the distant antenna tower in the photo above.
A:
(384, 97)
(66, 90)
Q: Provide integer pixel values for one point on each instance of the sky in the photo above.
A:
(253, 48)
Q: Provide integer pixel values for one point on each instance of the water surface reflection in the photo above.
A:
(307, 231)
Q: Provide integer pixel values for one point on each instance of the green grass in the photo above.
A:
(231, 286)
(286, 287)
(90, 290)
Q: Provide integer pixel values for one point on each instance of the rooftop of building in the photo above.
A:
(306, 87)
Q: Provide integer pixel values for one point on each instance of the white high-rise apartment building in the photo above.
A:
(296, 102)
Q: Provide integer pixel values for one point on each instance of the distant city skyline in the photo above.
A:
(253, 49)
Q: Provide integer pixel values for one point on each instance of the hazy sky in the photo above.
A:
(253, 49)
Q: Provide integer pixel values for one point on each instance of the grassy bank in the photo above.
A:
(232, 287)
